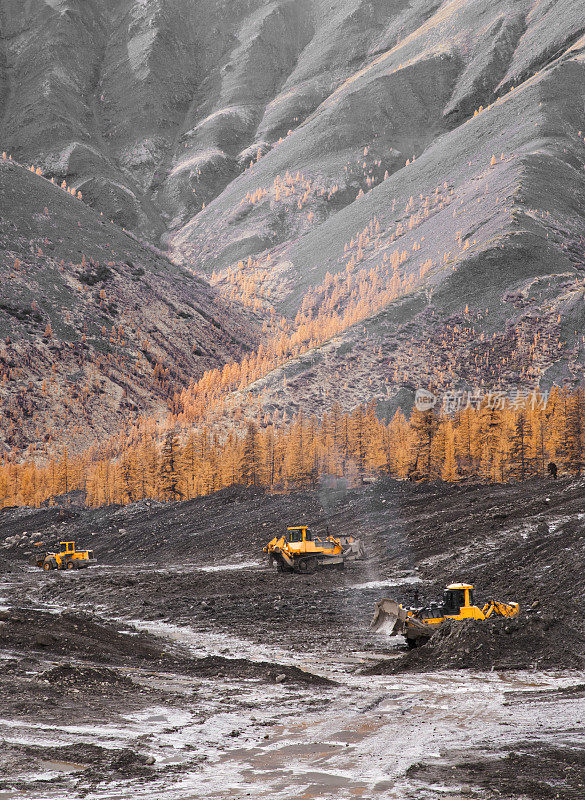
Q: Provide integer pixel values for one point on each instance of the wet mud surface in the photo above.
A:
(181, 666)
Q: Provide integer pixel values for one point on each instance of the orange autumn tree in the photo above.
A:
(488, 442)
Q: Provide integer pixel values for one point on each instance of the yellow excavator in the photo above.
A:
(67, 558)
(418, 625)
(301, 551)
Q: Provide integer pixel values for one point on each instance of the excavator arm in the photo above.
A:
(495, 608)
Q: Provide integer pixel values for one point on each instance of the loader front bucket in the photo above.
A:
(353, 549)
(389, 617)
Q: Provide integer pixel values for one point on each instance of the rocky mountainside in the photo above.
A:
(95, 328)
(413, 167)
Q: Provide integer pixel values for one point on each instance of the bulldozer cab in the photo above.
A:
(455, 597)
(297, 535)
(67, 547)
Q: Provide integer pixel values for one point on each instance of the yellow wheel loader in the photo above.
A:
(299, 550)
(418, 625)
(67, 558)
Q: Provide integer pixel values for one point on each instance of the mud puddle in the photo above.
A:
(203, 643)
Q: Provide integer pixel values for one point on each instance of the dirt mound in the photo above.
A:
(526, 643)
(530, 770)
(78, 635)
(99, 759)
(241, 668)
(8, 565)
(74, 634)
(86, 677)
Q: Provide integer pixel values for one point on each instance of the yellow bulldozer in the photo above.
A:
(67, 558)
(418, 625)
(299, 550)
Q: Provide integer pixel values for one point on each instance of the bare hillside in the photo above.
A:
(95, 328)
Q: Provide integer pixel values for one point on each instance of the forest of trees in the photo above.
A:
(488, 441)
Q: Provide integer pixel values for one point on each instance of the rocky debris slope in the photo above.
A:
(172, 116)
(398, 128)
(95, 328)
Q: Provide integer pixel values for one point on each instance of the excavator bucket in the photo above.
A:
(389, 617)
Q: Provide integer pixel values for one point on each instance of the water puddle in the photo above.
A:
(61, 767)
(383, 584)
(231, 566)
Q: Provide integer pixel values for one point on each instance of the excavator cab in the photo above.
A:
(458, 602)
(454, 598)
(298, 535)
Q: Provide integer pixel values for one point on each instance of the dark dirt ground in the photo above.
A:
(68, 641)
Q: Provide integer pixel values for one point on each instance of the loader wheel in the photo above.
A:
(307, 565)
(47, 566)
(70, 565)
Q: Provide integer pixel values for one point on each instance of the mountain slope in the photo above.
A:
(95, 328)
(412, 167)
(412, 100)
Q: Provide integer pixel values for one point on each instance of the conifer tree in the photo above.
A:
(359, 440)
(490, 431)
(449, 468)
(252, 457)
(521, 461)
(190, 465)
(375, 455)
(63, 472)
(170, 467)
(127, 479)
(467, 440)
(231, 461)
(399, 444)
(437, 453)
(573, 455)
(555, 419)
(269, 449)
(147, 467)
(296, 459)
(539, 423)
(424, 427)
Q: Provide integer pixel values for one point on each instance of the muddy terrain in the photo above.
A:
(182, 666)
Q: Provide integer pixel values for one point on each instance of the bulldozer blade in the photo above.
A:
(353, 549)
(389, 617)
